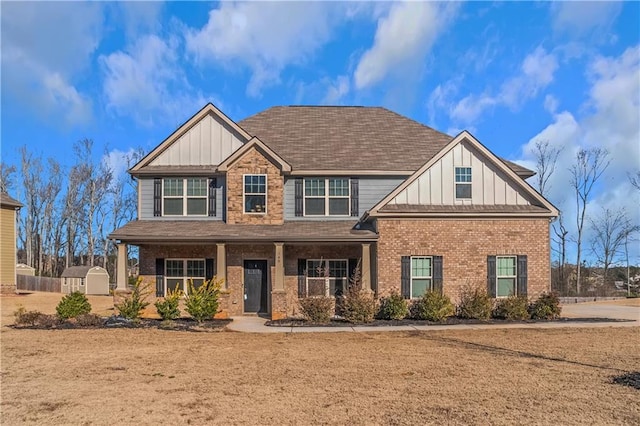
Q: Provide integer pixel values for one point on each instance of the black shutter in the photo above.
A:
(522, 276)
(302, 288)
(353, 264)
(159, 277)
(405, 276)
(209, 269)
(299, 197)
(491, 276)
(437, 273)
(355, 206)
(212, 196)
(157, 197)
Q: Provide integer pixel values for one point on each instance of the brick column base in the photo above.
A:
(8, 289)
(278, 304)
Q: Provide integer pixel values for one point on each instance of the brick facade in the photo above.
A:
(464, 245)
(254, 162)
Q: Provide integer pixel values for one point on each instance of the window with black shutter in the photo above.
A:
(159, 277)
(213, 189)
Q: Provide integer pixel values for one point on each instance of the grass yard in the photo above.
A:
(133, 376)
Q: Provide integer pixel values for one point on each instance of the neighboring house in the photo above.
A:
(8, 209)
(85, 279)
(272, 201)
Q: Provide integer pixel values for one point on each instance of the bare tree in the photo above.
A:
(635, 180)
(611, 230)
(589, 166)
(546, 160)
(6, 177)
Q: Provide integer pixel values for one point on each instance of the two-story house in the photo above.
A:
(284, 204)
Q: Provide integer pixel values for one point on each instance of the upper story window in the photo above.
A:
(255, 194)
(184, 196)
(463, 182)
(326, 196)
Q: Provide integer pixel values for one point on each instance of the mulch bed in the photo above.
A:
(180, 324)
(337, 322)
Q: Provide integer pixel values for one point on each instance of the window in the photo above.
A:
(421, 276)
(505, 276)
(185, 196)
(463, 182)
(255, 194)
(326, 196)
(179, 271)
(327, 277)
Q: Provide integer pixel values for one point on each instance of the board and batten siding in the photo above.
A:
(436, 186)
(145, 186)
(371, 190)
(8, 246)
(209, 142)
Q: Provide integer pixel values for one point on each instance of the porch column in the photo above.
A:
(366, 267)
(121, 269)
(278, 284)
(221, 259)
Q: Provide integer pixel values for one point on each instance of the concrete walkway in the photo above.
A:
(253, 324)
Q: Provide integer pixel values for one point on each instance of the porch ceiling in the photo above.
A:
(141, 231)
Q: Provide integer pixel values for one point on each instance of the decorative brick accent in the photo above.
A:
(254, 162)
(8, 289)
(464, 245)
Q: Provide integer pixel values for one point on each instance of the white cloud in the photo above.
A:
(551, 104)
(402, 40)
(139, 17)
(611, 122)
(265, 36)
(147, 83)
(336, 90)
(581, 17)
(45, 46)
(118, 162)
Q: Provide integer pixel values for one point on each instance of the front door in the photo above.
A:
(255, 286)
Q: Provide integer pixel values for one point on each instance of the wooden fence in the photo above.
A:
(29, 283)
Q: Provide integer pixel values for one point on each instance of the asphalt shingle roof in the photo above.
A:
(7, 201)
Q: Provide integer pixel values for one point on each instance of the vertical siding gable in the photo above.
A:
(209, 142)
(436, 186)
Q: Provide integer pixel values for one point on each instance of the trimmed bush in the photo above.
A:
(317, 309)
(547, 307)
(432, 306)
(359, 306)
(168, 308)
(132, 305)
(202, 302)
(394, 307)
(512, 308)
(72, 305)
(475, 304)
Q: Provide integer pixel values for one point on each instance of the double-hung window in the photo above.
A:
(255, 194)
(506, 274)
(327, 277)
(179, 271)
(326, 196)
(185, 196)
(421, 275)
(463, 183)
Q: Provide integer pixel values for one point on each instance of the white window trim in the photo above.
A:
(185, 197)
(184, 278)
(266, 196)
(327, 280)
(326, 197)
(470, 183)
(515, 277)
(430, 277)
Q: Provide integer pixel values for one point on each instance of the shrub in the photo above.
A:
(202, 302)
(358, 304)
(432, 306)
(317, 309)
(133, 304)
(89, 320)
(393, 307)
(512, 308)
(168, 308)
(72, 305)
(475, 304)
(547, 306)
(34, 318)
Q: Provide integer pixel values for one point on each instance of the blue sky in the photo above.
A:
(127, 74)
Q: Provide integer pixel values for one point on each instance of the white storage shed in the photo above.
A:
(85, 279)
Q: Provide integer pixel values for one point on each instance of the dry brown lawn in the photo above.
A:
(147, 376)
